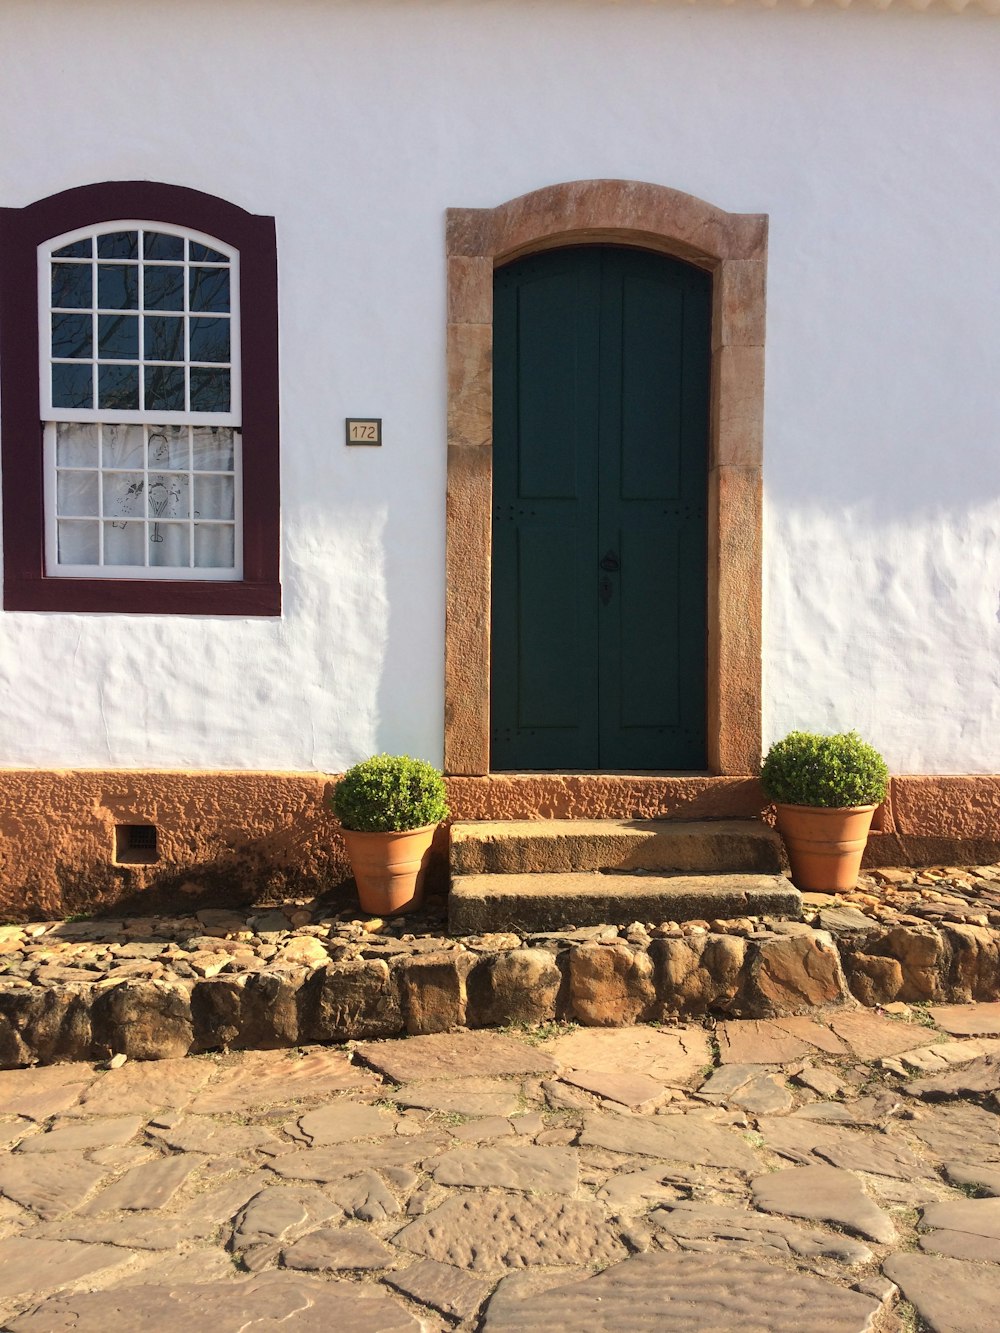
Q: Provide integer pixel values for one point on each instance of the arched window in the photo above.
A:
(158, 486)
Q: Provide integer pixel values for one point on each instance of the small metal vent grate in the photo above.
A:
(135, 844)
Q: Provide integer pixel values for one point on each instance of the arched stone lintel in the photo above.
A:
(621, 212)
(733, 248)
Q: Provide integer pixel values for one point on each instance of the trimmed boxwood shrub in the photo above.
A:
(829, 771)
(389, 794)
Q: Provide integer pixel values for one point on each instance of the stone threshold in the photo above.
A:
(156, 988)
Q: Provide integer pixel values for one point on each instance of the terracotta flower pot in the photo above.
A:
(389, 868)
(825, 846)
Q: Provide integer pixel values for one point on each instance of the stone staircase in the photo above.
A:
(537, 875)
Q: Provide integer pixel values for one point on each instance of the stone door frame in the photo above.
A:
(733, 248)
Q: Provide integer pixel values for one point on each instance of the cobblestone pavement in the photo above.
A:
(788, 1176)
(304, 933)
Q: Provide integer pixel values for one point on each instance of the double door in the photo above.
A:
(601, 389)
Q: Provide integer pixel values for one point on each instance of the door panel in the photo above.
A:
(544, 669)
(601, 360)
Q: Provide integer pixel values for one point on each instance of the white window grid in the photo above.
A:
(145, 519)
(149, 419)
(139, 415)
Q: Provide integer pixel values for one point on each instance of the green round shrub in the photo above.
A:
(829, 771)
(389, 794)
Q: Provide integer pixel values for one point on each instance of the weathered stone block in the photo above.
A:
(974, 973)
(44, 1025)
(789, 974)
(216, 1009)
(432, 991)
(350, 1001)
(873, 980)
(723, 959)
(919, 950)
(145, 1020)
(610, 986)
(515, 986)
(699, 973)
(270, 1013)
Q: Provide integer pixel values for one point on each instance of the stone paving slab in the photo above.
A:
(51, 1183)
(949, 1295)
(299, 1303)
(686, 1293)
(489, 1233)
(745, 1230)
(969, 1020)
(144, 1088)
(43, 1091)
(824, 1194)
(469, 1053)
(462, 1096)
(30, 1266)
(527, 1169)
(668, 1056)
(441, 1286)
(679, 1138)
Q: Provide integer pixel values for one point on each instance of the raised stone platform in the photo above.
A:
(155, 987)
(550, 846)
(533, 902)
(552, 874)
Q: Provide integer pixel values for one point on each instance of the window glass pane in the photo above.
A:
(167, 496)
(164, 389)
(210, 289)
(213, 497)
(168, 545)
(163, 288)
(72, 286)
(118, 336)
(123, 494)
(72, 386)
(118, 387)
(209, 339)
(76, 444)
(124, 543)
(78, 543)
(118, 245)
(168, 447)
(75, 250)
(213, 449)
(164, 338)
(209, 390)
(158, 245)
(76, 493)
(123, 446)
(202, 253)
(118, 286)
(214, 546)
(72, 335)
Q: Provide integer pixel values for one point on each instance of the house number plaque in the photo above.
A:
(364, 430)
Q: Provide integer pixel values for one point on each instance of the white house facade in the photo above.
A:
(229, 231)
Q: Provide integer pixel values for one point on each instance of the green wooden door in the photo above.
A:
(601, 370)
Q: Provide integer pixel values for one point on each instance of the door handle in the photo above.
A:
(605, 589)
(610, 562)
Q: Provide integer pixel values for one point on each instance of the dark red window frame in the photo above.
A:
(22, 230)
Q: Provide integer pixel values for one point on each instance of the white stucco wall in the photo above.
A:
(870, 138)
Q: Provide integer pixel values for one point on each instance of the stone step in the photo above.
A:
(481, 904)
(544, 846)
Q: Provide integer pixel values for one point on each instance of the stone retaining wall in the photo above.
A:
(586, 977)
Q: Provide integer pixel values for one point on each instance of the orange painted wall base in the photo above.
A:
(255, 837)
